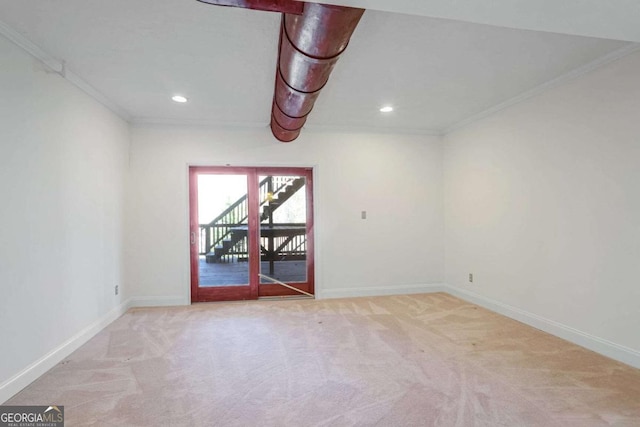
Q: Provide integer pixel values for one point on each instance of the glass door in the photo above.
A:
(286, 266)
(222, 215)
(251, 232)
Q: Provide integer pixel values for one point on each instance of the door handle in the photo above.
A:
(193, 237)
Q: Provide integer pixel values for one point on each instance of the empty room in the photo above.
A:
(286, 213)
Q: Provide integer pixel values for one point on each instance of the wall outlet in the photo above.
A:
(116, 289)
(471, 277)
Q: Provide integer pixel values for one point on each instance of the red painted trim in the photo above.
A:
(254, 233)
(310, 235)
(271, 290)
(225, 293)
(194, 231)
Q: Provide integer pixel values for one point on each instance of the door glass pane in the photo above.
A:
(223, 218)
(283, 240)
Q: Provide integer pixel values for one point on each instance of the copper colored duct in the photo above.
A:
(312, 37)
(310, 45)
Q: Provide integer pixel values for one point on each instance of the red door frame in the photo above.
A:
(266, 290)
(254, 288)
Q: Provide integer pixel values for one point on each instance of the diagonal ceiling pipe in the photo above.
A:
(284, 6)
(310, 45)
(312, 38)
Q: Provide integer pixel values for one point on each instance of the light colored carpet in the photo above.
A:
(417, 360)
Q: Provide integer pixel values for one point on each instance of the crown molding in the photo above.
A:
(167, 121)
(59, 67)
(160, 121)
(373, 129)
(31, 48)
(564, 78)
(77, 81)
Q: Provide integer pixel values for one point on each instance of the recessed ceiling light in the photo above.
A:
(179, 98)
(386, 109)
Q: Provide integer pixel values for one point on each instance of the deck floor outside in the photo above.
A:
(237, 272)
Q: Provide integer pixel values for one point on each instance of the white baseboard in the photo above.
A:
(379, 291)
(159, 301)
(32, 372)
(607, 348)
(29, 374)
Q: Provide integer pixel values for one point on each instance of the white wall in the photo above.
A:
(63, 159)
(542, 204)
(396, 179)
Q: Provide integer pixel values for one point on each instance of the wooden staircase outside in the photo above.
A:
(224, 238)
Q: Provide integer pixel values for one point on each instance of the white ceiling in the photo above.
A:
(607, 19)
(436, 72)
